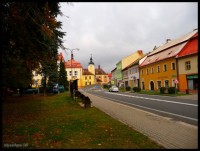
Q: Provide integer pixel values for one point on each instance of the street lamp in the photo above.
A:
(72, 58)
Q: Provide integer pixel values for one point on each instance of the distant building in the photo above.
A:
(121, 72)
(88, 76)
(75, 71)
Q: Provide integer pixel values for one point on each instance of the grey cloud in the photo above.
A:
(111, 31)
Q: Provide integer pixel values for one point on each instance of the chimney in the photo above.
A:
(140, 52)
(168, 40)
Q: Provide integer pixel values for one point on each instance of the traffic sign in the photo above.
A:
(176, 81)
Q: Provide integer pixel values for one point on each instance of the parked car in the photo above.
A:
(113, 89)
(61, 88)
(31, 91)
(58, 88)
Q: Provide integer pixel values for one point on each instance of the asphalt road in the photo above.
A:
(178, 109)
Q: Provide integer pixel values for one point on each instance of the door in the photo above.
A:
(152, 85)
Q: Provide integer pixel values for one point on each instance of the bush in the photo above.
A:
(171, 90)
(136, 89)
(105, 86)
(128, 88)
(162, 90)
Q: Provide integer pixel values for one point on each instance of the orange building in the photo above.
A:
(159, 69)
(188, 65)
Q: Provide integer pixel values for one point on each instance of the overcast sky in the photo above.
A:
(111, 31)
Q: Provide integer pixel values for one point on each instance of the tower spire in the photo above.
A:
(91, 62)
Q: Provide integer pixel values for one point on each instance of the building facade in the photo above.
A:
(188, 65)
(160, 68)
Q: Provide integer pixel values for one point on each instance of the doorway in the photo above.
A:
(152, 85)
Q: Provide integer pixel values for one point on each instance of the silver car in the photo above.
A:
(114, 89)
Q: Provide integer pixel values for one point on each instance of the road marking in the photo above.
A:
(123, 103)
(159, 100)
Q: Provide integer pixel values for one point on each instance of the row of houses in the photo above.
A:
(174, 64)
(75, 71)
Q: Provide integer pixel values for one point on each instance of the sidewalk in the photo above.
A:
(191, 96)
(168, 133)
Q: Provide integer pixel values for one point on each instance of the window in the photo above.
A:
(187, 65)
(89, 77)
(152, 71)
(75, 73)
(158, 68)
(85, 83)
(173, 66)
(159, 84)
(142, 72)
(104, 76)
(147, 71)
(165, 67)
(166, 83)
(85, 77)
(90, 83)
(70, 73)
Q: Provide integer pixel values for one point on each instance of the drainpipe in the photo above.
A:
(177, 72)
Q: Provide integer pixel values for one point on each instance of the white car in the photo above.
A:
(114, 89)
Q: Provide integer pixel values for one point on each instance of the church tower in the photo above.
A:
(91, 67)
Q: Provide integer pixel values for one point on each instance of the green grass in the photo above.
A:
(57, 122)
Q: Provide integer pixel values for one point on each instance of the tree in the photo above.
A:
(31, 37)
(62, 80)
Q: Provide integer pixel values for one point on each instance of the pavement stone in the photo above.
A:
(166, 132)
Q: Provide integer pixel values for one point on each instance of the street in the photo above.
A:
(178, 109)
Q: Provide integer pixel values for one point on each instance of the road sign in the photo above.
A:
(176, 81)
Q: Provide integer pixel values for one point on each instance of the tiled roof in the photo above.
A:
(99, 71)
(174, 42)
(109, 75)
(75, 64)
(168, 50)
(86, 72)
(60, 57)
(136, 62)
(190, 48)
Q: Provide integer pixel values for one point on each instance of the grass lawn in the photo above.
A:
(57, 122)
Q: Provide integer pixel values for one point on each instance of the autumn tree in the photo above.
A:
(30, 37)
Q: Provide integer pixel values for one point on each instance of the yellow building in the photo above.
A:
(94, 75)
(131, 58)
(75, 71)
(89, 76)
(159, 69)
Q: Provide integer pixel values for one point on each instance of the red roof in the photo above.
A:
(74, 63)
(191, 47)
(99, 71)
(86, 72)
(60, 57)
(168, 50)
